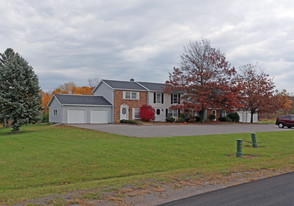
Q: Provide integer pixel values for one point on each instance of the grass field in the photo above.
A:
(45, 159)
(267, 121)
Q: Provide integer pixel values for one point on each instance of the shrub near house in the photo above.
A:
(146, 112)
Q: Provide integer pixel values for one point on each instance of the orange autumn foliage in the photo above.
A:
(82, 90)
(285, 104)
(67, 88)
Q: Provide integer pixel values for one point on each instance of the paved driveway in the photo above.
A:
(179, 130)
(270, 191)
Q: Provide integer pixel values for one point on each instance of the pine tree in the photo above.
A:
(4, 58)
(20, 100)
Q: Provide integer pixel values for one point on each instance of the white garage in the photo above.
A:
(98, 116)
(79, 109)
(75, 116)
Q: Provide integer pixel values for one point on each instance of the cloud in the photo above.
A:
(77, 40)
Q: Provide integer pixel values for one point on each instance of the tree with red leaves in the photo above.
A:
(205, 78)
(258, 91)
(146, 112)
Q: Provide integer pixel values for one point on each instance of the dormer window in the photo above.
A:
(130, 95)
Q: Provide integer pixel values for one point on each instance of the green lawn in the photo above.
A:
(271, 121)
(45, 159)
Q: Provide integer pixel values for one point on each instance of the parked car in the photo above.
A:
(285, 120)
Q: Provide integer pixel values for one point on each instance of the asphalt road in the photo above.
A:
(180, 130)
(274, 191)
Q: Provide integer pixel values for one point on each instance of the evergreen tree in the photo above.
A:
(20, 100)
(4, 58)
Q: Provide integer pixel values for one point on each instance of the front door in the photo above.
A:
(124, 112)
(159, 115)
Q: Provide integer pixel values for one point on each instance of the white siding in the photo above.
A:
(108, 93)
(55, 105)
(104, 91)
(161, 106)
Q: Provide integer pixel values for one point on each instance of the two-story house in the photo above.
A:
(115, 100)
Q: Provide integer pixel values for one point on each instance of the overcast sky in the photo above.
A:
(75, 40)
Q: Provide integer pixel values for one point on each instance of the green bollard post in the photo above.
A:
(239, 148)
(253, 137)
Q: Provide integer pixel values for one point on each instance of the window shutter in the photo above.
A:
(124, 94)
(179, 101)
(171, 99)
(162, 96)
(138, 95)
(154, 98)
(166, 112)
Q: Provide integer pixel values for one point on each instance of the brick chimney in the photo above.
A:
(132, 80)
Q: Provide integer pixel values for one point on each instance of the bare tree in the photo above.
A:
(93, 82)
(67, 88)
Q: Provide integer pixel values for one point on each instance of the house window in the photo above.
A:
(136, 113)
(158, 111)
(223, 113)
(195, 113)
(127, 95)
(173, 113)
(158, 98)
(55, 112)
(124, 111)
(134, 95)
(130, 95)
(175, 98)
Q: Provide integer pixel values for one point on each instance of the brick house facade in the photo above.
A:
(132, 103)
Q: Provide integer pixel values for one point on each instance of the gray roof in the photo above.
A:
(153, 86)
(124, 85)
(81, 99)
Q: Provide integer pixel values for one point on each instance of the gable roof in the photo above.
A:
(67, 99)
(129, 85)
(153, 86)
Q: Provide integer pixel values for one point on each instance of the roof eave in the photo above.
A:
(87, 105)
(102, 81)
(140, 90)
(53, 97)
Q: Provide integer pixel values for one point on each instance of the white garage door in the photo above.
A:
(98, 116)
(75, 116)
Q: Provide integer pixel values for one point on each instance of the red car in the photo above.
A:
(285, 120)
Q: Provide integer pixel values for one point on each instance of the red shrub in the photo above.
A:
(147, 112)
